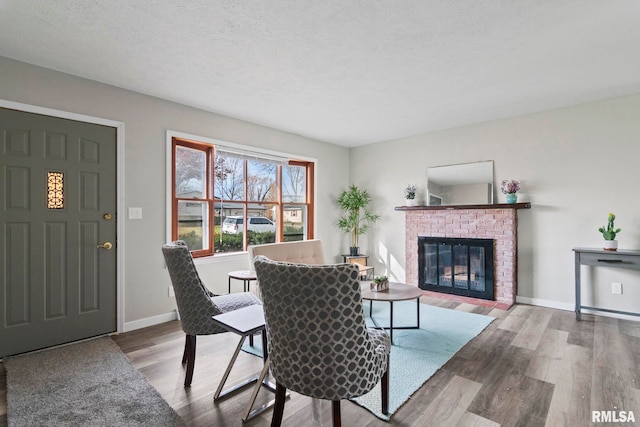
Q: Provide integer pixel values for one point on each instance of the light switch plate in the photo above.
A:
(616, 288)
(135, 213)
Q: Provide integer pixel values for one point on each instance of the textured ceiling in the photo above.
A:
(346, 72)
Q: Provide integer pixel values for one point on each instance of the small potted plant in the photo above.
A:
(609, 233)
(355, 221)
(379, 283)
(510, 187)
(410, 195)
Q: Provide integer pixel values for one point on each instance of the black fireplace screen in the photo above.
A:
(456, 266)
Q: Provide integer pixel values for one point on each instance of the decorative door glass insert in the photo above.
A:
(55, 190)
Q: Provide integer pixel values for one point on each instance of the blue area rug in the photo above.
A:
(416, 354)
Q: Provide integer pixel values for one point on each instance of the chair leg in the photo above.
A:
(191, 359)
(335, 410)
(278, 407)
(384, 385)
(186, 349)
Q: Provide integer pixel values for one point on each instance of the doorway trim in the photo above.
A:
(119, 126)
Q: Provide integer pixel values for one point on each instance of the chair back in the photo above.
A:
(194, 303)
(298, 252)
(318, 341)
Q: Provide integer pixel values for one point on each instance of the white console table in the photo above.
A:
(600, 258)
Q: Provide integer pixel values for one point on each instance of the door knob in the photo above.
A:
(105, 245)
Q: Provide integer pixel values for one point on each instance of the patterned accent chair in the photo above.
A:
(319, 345)
(196, 304)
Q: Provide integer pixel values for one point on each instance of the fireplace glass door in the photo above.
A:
(456, 266)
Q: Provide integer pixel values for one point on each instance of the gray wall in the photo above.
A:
(146, 120)
(575, 165)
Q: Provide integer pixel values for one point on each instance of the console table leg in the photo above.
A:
(577, 274)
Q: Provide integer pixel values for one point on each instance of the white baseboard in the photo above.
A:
(167, 317)
(571, 307)
(545, 303)
(150, 321)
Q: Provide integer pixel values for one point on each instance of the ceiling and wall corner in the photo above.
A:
(349, 73)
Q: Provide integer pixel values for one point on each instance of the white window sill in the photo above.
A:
(221, 258)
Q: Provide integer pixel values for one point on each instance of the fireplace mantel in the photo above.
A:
(491, 221)
(524, 205)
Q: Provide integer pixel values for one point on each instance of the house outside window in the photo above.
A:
(225, 199)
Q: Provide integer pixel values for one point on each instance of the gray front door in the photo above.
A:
(58, 211)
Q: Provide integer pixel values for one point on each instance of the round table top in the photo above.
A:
(243, 275)
(395, 292)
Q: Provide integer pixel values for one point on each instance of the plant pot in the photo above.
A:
(411, 202)
(610, 245)
(353, 251)
(379, 286)
(512, 197)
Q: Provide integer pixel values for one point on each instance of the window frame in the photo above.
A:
(209, 146)
(208, 150)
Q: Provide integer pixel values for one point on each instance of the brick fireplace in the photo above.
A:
(498, 222)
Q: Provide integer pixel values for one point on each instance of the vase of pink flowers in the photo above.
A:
(510, 187)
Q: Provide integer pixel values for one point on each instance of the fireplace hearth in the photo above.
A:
(456, 266)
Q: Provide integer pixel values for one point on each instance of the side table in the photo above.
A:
(366, 271)
(597, 257)
(396, 292)
(246, 322)
(245, 275)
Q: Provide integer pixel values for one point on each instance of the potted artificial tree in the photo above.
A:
(357, 218)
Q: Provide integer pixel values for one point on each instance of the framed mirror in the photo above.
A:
(460, 184)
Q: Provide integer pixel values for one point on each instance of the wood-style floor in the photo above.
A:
(531, 367)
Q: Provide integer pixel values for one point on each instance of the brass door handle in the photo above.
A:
(105, 245)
